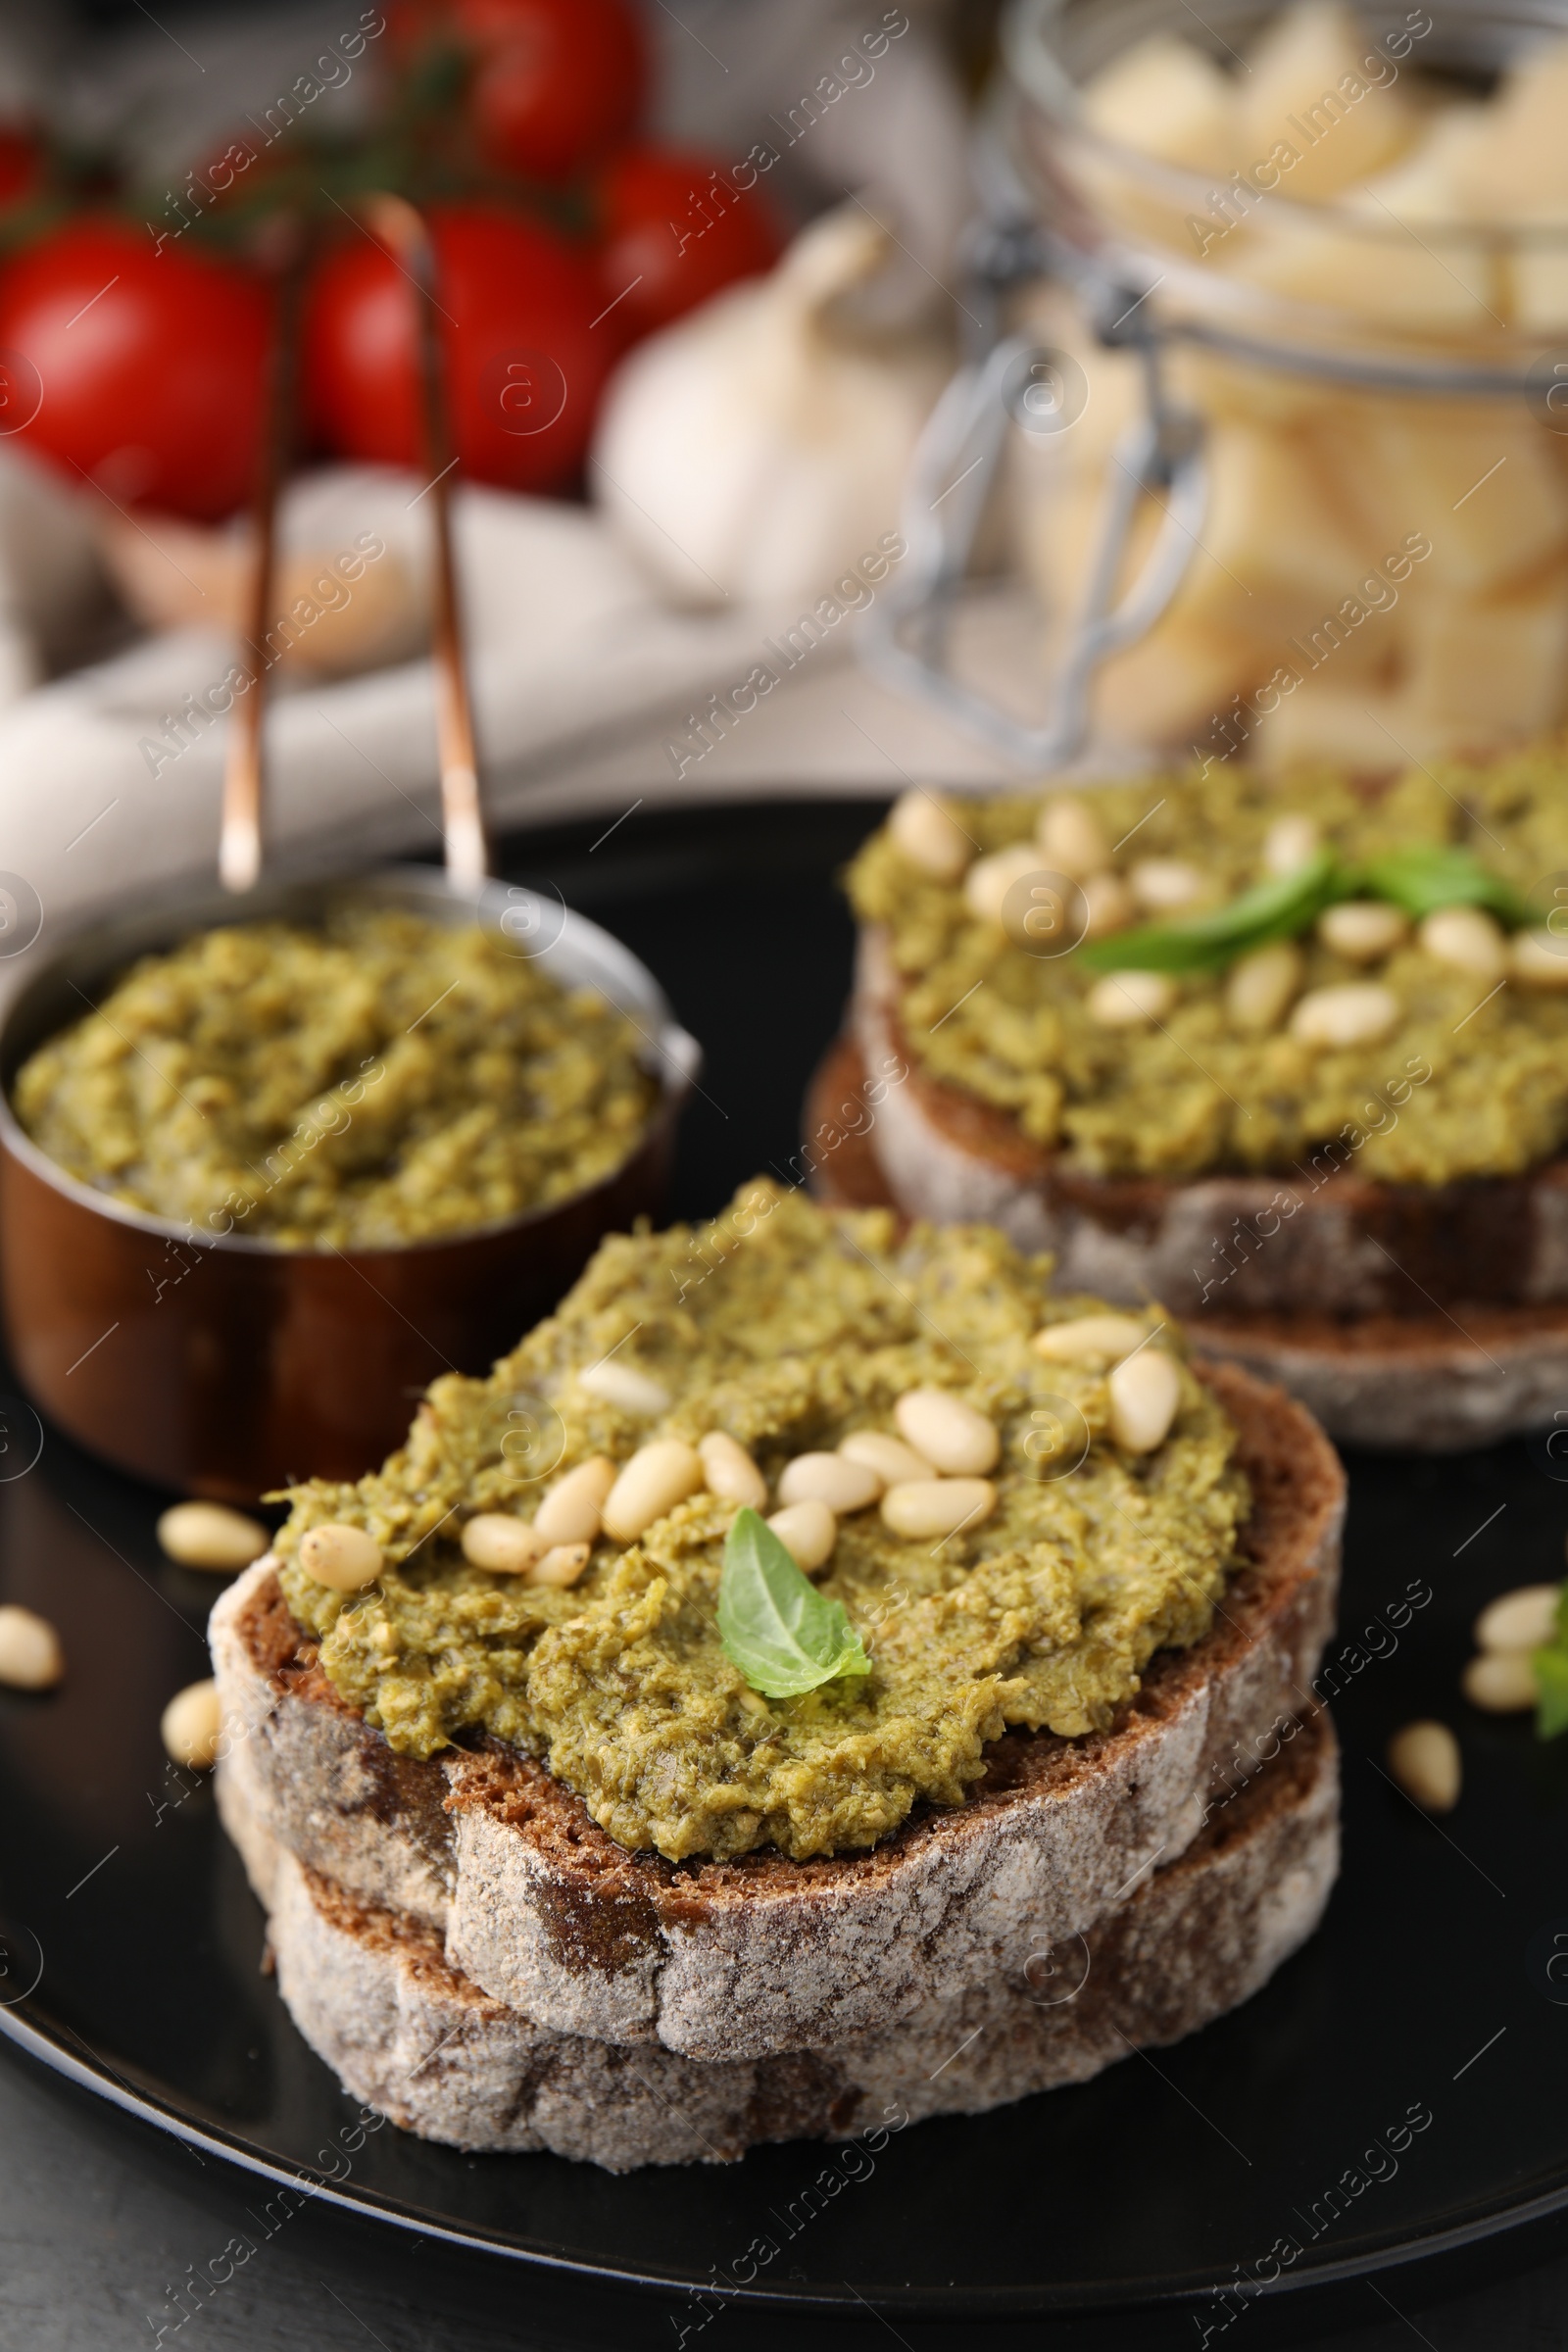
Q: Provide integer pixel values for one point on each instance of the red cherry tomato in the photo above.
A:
(524, 360)
(557, 83)
(144, 370)
(676, 230)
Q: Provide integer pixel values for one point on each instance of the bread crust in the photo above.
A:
(544, 1912)
(379, 1999)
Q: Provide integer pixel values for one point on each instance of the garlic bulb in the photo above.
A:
(758, 448)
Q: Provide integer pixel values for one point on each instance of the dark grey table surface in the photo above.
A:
(101, 2218)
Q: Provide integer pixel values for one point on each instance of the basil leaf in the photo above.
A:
(1208, 942)
(785, 1636)
(1551, 1686)
(1433, 875)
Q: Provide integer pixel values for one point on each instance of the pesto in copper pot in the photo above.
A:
(382, 1080)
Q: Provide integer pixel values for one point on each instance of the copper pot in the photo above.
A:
(227, 1365)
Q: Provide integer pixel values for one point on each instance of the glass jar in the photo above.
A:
(1314, 436)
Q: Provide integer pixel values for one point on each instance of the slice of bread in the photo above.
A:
(1422, 1319)
(543, 1911)
(377, 1997)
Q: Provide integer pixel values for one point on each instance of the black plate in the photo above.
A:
(1430, 1993)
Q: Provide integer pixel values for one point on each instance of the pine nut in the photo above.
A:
(1468, 937)
(989, 878)
(1289, 843)
(625, 1386)
(808, 1531)
(1261, 986)
(1071, 838)
(345, 1557)
(573, 1510)
(1524, 1619)
(562, 1564)
(730, 1471)
(1503, 1682)
(507, 1547)
(929, 836)
(1364, 930)
(1355, 1014)
(938, 1506)
(1539, 959)
(204, 1535)
(949, 1434)
(1145, 1392)
(894, 1462)
(1129, 1000)
(654, 1481)
(30, 1655)
(1424, 1758)
(828, 1478)
(1162, 884)
(1090, 1336)
(1109, 906)
(191, 1725)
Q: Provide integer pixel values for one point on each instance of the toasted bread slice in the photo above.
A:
(546, 1913)
(1422, 1319)
(377, 1997)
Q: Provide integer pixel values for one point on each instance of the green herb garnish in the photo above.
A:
(1418, 880)
(775, 1626)
(1208, 942)
(1551, 1664)
(1421, 879)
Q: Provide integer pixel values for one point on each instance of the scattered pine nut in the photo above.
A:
(1424, 1758)
(1289, 843)
(207, 1534)
(1502, 1682)
(1071, 838)
(30, 1655)
(1129, 1000)
(1539, 959)
(1087, 1338)
(844, 1486)
(949, 1434)
(562, 1564)
(929, 836)
(808, 1531)
(1469, 939)
(894, 1462)
(348, 1558)
(938, 1506)
(729, 1470)
(625, 1386)
(573, 1510)
(191, 1725)
(506, 1546)
(1161, 885)
(1262, 986)
(1145, 1394)
(657, 1477)
(1524, 1619)
(1364, 930)
(1355, 1014)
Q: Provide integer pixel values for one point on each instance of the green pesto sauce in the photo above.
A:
(384, 1080)
(1452, 1092)
(788, 1328)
